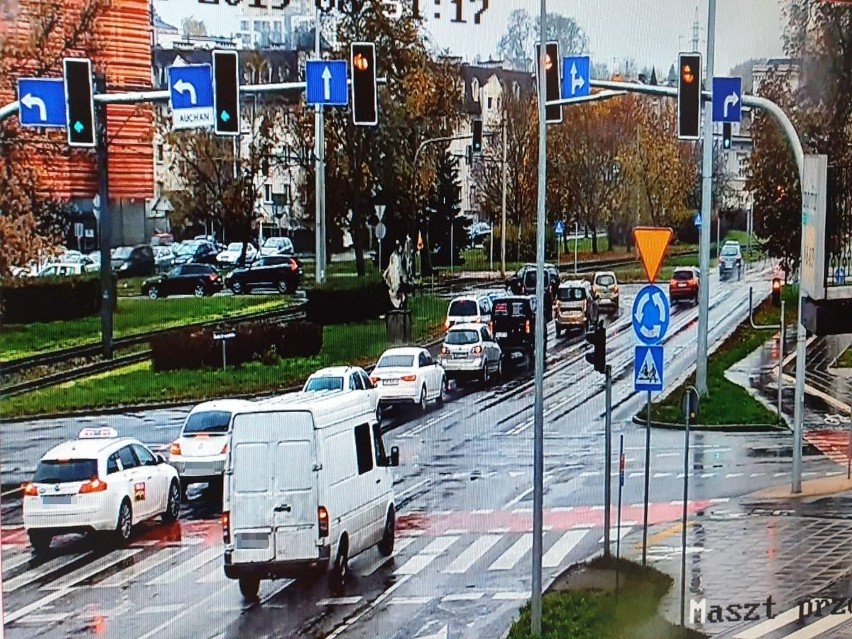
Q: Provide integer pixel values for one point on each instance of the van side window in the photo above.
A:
(363, 449)
(379, 444)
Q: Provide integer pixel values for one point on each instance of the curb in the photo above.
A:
(117, 410)
(718, 428)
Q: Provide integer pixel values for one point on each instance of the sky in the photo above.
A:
(649, 31)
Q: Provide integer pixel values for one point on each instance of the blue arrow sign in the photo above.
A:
(559, 229)
(648, 368)
(727, 99)
(42, 102)
(651, 315)
(191, 96)
(326, 82)
(575, 76)
(698, 219)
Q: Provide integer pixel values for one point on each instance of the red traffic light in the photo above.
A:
(360, 62)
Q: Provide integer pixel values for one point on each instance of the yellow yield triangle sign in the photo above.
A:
(652, 242)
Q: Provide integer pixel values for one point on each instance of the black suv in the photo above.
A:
(269, 271)
(523, 283)
(513, 320)
(184, 279)
(133, 261)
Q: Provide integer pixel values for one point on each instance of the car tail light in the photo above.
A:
(447, 324)
(226, 527)
(224, 449)
(409, 378)
(174, 449)
(527, 327)
(322, 517)
(375, 380)
(29, 489)
(213, 277)
(491, 327)
(558, 306)
(445, 350)
(584, 306)
(93, 486)
(476, 350)
(294, 266)
(594, 290)
(615, 289)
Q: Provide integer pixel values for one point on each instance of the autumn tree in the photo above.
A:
(517, 45)
(446, 232)
(31, 219)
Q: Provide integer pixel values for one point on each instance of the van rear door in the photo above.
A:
(273, 496)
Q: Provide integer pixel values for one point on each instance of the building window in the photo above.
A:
(264, 163)
(160, 154)
(267, 193)
(244, 25)
(516, 90)
(490, 99)
(474, 89)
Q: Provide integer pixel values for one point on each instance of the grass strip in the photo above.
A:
(845, 360)
(356, 344)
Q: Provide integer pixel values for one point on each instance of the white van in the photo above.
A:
(307, 487)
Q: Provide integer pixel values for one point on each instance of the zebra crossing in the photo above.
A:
(834, 444)
(817, 618)
(44, 592)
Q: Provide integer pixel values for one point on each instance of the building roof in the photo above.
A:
(160, 25)
(483, 74)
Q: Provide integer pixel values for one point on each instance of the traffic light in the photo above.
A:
(365, 109)
(79, 102)
(726, 136)
(689, 96)
(776, 291)
(226, 92)
(477, 137)
(597, 338)
(552, 84)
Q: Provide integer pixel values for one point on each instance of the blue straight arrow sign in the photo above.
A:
(42, 102)
(326, 82)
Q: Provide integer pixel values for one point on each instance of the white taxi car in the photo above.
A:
(98, 482)
(347, 379)
(409, 375)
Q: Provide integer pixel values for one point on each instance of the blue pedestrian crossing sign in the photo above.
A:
(651, 315)
(698, 220)
(191, 96)
(326, 82)
(648, 368)
(42, 102)
(575, 76)
(840, 276)
(727, 99)
(559, 229)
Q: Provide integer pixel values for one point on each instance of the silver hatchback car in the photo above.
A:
(606, 292)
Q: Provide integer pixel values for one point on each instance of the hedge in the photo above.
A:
(355, 300)
(46, 299)
(266, 342)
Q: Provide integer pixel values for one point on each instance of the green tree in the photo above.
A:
(446, 231)
(192, 26)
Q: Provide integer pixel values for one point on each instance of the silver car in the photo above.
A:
(470, 351)
(606, 292)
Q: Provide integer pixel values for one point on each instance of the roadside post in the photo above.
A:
(608, 462)
(776, 297)
(618, 529)
(224, 337)
(651, 316)
(689, 406)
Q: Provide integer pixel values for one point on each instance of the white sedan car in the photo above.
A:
(231, 254)
(409, 375)
(346, 379)
(98, 482)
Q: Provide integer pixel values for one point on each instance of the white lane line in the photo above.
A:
(513, 555)
(562, 509)
(379, 561)
(125, 576)
(39, 572)
(732, 475)
(410, 601)
(38, 604)
(211, 576)
(183, 569)
(819, 627)
(171, 623)
(91, 569)
(404, 493)
(378, 600)
(340, 601)
(159, 609)
(614, 531)
(486, 511)
(517, 498)
(511, 596)
(472, 553)
(770, 625)
(44, 619)
(668, 454)
(464, 596)
(426, 556)
(458, 531)
(10, 563)
(564, 545)
(757, 474)
(660, 475)
(719, 500)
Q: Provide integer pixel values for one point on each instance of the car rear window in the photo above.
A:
(529, 279)
(574, 294)
(394, 361)
(54, 471)
(212, 421)
(605, 280)
(463, 307)
(462, 337)
(511, 309)
(682, 275)
(730, 251)
(324, 383)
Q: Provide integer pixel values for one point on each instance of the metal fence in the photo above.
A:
(838, 227)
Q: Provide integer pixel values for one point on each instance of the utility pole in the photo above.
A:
(319, 169)
(706, 212)
(104, 225)
(503, 206)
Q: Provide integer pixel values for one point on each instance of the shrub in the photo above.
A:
(348, 301)
(256, 341)
(43, 299)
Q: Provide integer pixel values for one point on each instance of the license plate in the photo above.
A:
(499, 335)
(390, 382)
(57, 500)
(252, 541)
(203, 465)
(681, 285)
(459, 355)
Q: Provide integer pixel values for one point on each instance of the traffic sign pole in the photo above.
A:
(647, 480)
(608, 461)
(104, 227)
(319, 171)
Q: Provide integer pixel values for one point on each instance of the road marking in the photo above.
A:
(410, 601)
(562, 509)
(517, 498)
(658, 538)
(92, 569)
(464, 596)
(660, 475)
(181, 570)
(757, 475)
(564, 545)
(458, 531)
(819, 627)
(379, 561)
(486, 511)
(44, 619)
(511, 596)
(404, 493)
(781, 474)
(11, 617)
(708, 475)
(387, 593)
(732, 475)
(125, 576)
(472, 553)
(614, 531)
(170, 623)
(590, 473)
(159, 609)
(340, 601)
(640, 473)
(426, 556)
(770, 625)
(719, 500)
(668, 454)
(39, 572)
(211, 576)
(513, 555)
(10, 563)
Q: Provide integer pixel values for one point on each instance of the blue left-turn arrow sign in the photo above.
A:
(41, 102)
(191, 96)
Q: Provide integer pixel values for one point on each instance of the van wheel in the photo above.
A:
(499, 374)
(340, 569)
(173, 506)
(40, 541)
(386, 543)
(484, 376)
(249, 587)
(422, 403)
(441, 394)
(124, 525)
(379, 414)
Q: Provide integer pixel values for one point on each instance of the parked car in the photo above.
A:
(730, 258)
(184, 279)
(65, 269)
(513, 319)
(164, 258)
(275, 271)
(409, 375)
(346, 379)
(576, 307)
(468, 308)
(232, 254)
(200, 252)
(133, 261)
(606, 292)
(277, 246)
(469, 351)
(684, 285)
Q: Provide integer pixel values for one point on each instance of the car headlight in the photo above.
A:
(124, 266)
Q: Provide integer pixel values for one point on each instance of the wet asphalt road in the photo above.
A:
(462, 561)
